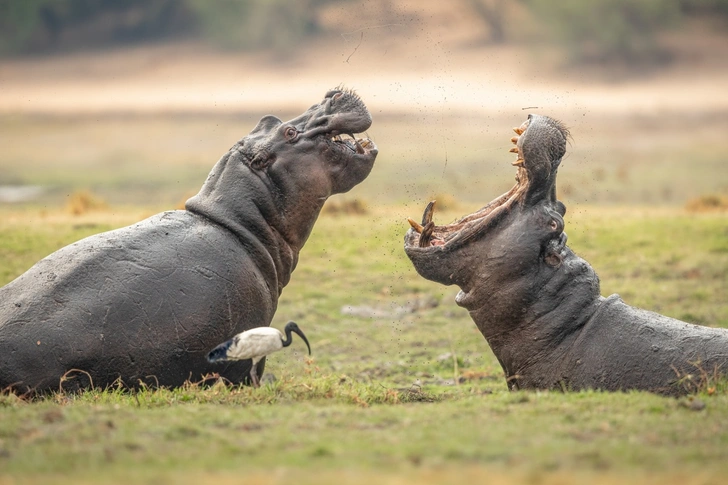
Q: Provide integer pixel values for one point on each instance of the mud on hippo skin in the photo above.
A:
(539, 305)
(145, 303)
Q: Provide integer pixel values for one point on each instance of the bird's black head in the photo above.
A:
(293, 327)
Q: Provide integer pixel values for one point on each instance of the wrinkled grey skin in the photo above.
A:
(538, 304)
(146, 303)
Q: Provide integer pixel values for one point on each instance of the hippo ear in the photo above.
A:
(258, 142)
(262, 159)
(552, 252)
(266, 125)
(555, 237)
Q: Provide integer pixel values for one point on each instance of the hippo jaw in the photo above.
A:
(524, 224)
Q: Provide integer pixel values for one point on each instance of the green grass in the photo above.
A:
(401, 395)
(99, 436)
(667, 261)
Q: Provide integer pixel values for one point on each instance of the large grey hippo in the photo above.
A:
(538, 304)
(146, 303)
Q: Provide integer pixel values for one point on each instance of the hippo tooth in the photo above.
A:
(522, 128)
(514, 140)
(415, 225)
(513, 150)
(359, 149)
(518, 163)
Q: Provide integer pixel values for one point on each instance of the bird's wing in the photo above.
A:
(256, 342)
(260, 333)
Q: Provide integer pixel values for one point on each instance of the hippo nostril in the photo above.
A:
(337, 96)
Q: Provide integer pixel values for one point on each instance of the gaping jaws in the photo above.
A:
(428, 235)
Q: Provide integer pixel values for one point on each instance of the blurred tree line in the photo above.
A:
(616, 30)
(28, 26)
(588, 30)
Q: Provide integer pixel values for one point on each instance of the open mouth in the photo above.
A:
(427, 234)
(353, 144)
(337, 120)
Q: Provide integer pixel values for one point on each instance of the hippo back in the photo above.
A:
(154, 298)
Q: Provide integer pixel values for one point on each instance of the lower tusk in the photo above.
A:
(514, 140)
(417, 227)
(518, 163)
(513, 150)
(518, 131)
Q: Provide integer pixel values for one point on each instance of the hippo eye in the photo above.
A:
(291, 133)
(554, 225)
(336, 96)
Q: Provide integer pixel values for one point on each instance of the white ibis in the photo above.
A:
(255, 344)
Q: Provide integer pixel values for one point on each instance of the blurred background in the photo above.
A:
(106, 103)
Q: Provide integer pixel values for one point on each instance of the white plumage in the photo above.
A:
(255, 344)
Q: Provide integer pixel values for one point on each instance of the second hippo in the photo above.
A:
(539, 305)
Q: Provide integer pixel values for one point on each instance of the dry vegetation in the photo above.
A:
(708, 203)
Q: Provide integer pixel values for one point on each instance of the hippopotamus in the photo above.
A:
(144, 304)
(538, 304)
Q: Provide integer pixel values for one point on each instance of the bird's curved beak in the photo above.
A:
(300, 333)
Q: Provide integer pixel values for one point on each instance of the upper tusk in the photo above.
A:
(429, 211)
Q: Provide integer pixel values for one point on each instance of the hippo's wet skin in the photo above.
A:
(147, 302)
(538, 304)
